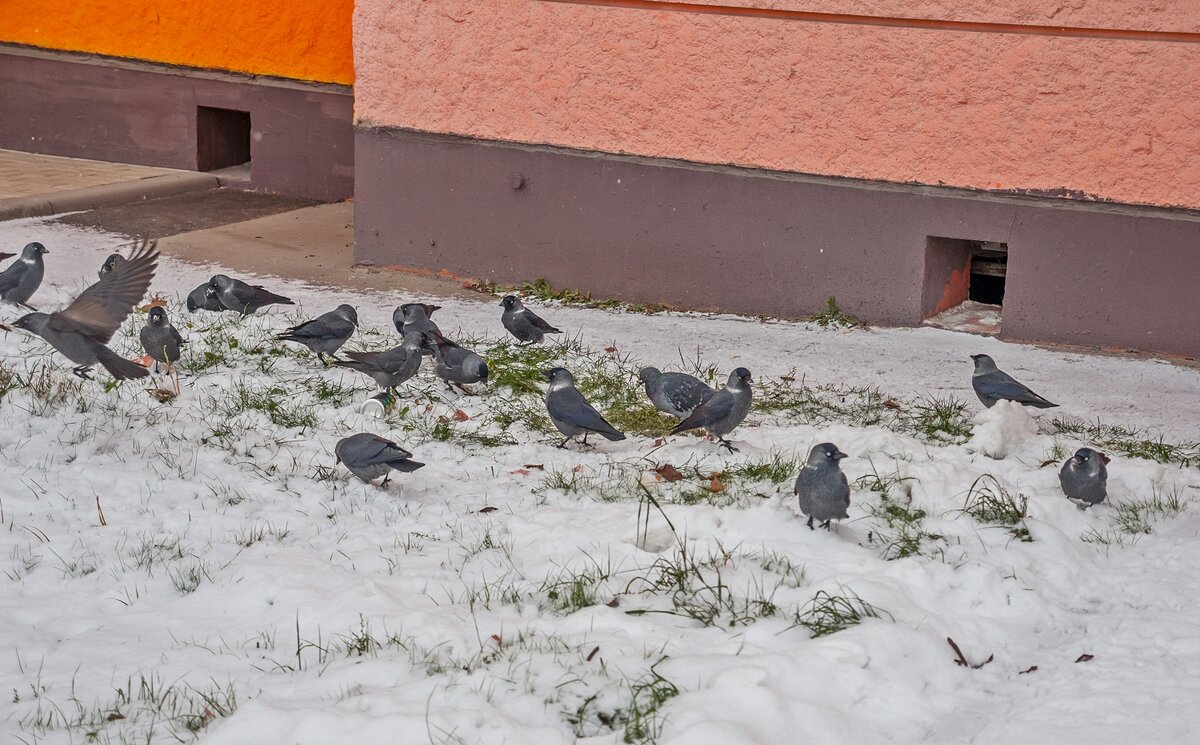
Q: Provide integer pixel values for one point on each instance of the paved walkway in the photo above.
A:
(29, 174)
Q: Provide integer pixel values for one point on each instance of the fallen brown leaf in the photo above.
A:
(1032, 669)
(154, 302)
(1048, 463)
(613, 603)
(460, 415)
(668, 472)
(1086, 658)
(520, 472)
(489, 508)
(537, 466)
(890, 404)
(715, 485)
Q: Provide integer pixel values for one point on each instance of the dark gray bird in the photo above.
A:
(162, 342)
(81, 331)
(570, 411)
(389, 368)
(724, 410)
(369, 456)
(454, 364)
(992, 384)
(1084, 477)
(326, 333)
(821, 486)
(521, 322)
(677, 394)
(236, 295)
(414, 318)
(112, 262)
(201, 299)
(22, 277)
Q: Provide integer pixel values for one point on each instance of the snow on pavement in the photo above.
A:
(204, 569)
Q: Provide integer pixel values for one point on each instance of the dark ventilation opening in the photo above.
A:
(989, 263)
(222, 138)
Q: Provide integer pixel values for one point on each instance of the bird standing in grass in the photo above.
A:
(527, 326)
(162, 342)
(456, 365)
(326, 333)
(236, 295)
(415, 318)
(677, 394)
(389, 368)
(22, 277)
(81, 330)
(1084, 477)
(571, 413)
(724, 410)
(369, 456)
(822, 488)
(992, 384)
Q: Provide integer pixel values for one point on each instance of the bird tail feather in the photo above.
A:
(119, 367)
(406, 465)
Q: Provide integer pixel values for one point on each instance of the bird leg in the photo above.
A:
(727, 444)
(563, 444)
(84, 371)
(321, 357)
(825, 525)
(386, 476)
(809, 523)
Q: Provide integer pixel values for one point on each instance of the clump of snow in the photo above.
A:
(204, 570)
(1001, 429)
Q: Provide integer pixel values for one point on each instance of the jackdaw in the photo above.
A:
(162, 341)
(369, 456)
(236, 295)
(677, 394)
(326, 333)
(81, 331)
(415, 318)
(570, 411)
(821, 486)
(112, 262)
(723, 411)
(454, 364)
(1084, 477)
(201, 299)
(992, 384)
(389, 368)
(521, 322)
(22, 277)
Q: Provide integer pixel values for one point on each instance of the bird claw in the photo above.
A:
(727, 444)
(83, 371)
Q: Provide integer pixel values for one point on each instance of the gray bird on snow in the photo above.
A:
(1084, 477)
(724, 410)
(389, 368)
(82, 329)
(821, 487)
(521, 322)
(454, 364)
(112, 262)
(162, 341)
(992, 384)
(326, 333)
(677, 394)
(414, 318)
(22, 277)
(236, 295)
(201, 299)
(570, 411)
(369, 456)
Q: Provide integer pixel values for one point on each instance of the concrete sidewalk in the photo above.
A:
(33, 185)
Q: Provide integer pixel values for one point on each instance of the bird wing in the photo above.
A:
(380, 450)
(539, 323)
(569, 405)
(713, 410)
(318, 328)
(685, 392)
(177, 336)
(101, 309)
(11, 276)
(1002, 385)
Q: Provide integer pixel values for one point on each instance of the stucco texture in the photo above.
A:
(299, 39)
(1110, 119)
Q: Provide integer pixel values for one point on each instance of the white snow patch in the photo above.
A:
(1001, 429)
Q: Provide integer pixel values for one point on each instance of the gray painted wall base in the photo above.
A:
(749, 241)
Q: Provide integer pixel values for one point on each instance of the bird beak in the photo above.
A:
(839, 455)
(549, 374)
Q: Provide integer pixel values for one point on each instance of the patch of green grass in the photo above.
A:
(1130, 443)
(897, 527)
(990, 502)
(644, 720)
(278, 402)
(832, 315)
(828, 614)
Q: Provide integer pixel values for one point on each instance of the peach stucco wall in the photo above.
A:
(1115, 119)
(300, 39)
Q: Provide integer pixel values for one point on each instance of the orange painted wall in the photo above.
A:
(300, 39)
(1115, 119)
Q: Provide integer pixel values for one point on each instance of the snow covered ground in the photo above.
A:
(203, 569)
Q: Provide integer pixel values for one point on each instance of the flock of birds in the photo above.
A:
(82, 330)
